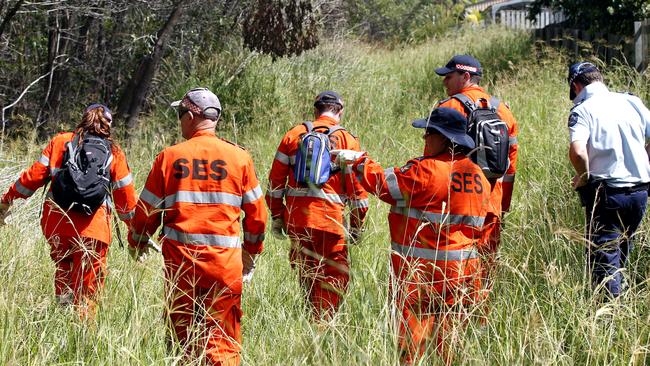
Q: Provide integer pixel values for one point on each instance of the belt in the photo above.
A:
(627, 190)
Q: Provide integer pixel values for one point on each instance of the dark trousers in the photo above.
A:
(612, 217)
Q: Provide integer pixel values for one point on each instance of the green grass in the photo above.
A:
(543, 311)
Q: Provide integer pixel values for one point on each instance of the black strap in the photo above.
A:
(310, 127)
(465, 101)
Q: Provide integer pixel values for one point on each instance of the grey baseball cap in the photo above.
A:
(200, 101)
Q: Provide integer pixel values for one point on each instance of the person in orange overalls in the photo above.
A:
(462, 75)
(79, 242)
(438, 207)
(197, 190)
(313, 216)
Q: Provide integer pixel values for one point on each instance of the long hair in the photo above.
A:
(95, 122)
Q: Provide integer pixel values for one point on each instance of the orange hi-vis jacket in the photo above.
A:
(503, 186)
(438, 209)
(312, 207)
(54, 221)
(198, 188)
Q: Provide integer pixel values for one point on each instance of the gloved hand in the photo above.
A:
(279, 228)
(139, 254)
(356, 235)
(4, 210)
(248, 262)
(343, 157)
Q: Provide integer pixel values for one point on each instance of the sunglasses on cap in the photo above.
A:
(181, 111)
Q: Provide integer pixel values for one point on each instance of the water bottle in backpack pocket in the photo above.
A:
(83, 182)
(313, 165)
(490, 133)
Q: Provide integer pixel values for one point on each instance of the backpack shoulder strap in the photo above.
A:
(464, 99)
(334, 129)
(494, 103)
(309, 125)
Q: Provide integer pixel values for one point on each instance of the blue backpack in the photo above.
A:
(313, 165)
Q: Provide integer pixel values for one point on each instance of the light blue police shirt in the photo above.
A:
(615, 127)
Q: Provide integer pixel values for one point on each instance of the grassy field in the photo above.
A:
(543, 309)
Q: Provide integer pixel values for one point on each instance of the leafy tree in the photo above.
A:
(281, 27)
(610, 16)
(401, 21)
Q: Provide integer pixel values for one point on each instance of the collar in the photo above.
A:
(589, 91)
(473, 87)
(207, 132)
(326, 120)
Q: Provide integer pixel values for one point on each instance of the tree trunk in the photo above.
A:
(60, 23)
(10, 15)
(140, 83)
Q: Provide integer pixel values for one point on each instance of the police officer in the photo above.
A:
(607, 132)
(438, 208)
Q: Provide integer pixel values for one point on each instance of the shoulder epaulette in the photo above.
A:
(232, 143)
(574, 107)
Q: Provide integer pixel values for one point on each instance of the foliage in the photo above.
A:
(599, 16)
(401, 21)
(281, 27)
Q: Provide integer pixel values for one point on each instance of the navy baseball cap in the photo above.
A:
(449, 122)
(107, 112)
(328, 97)
(576, 70)
(462, 63)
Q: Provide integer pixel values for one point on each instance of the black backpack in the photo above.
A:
(83, 182)
(490, 133)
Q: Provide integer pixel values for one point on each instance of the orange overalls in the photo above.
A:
(198, 189)
(438, 207)
(78, 242)
(314, 219)
(501, 189)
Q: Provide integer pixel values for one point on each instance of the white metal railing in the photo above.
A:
(518, 19)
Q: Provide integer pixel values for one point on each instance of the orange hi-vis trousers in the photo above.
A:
(321, 259)
(434, 300)
(80, 270)
(205, 321)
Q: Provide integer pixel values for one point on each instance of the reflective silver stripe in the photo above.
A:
(434, 254)
(126, 216)
(23, 190)
(285, 159)
(53, 171)
(360, 167)
(509, 178)
(139, 238)
(359, 203)
(123, 182)
(252, 195)
(315, 193)
(151, 198)
(393, 187)
(203, 197)
(253, 238)
(44, 160)
(512, 140)
(276, 193)
(437, 218)
(347, 169)
(202, 239)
